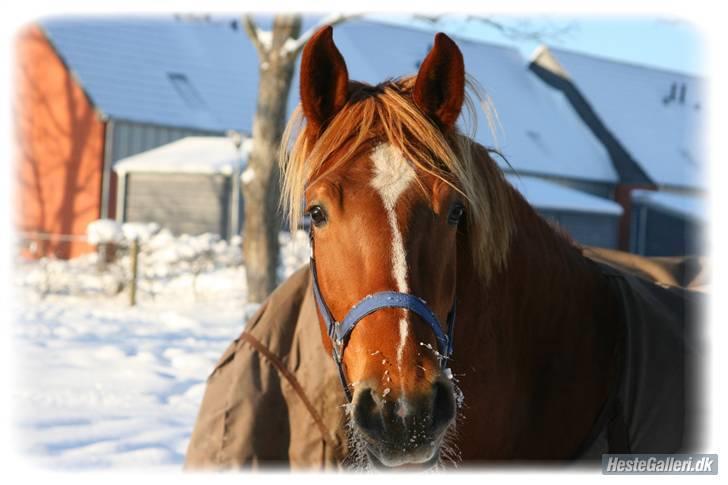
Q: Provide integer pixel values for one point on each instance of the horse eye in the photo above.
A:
(456, 214)
(318, 216)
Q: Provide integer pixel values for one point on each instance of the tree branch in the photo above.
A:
(293, 46)
(253, 33)
(523, 31)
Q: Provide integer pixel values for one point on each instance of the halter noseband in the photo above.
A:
(339, 332)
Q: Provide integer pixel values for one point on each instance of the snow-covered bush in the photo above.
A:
(202, 266)
(141, 231)
(104, 231)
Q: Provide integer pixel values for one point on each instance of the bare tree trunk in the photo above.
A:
(261, 192)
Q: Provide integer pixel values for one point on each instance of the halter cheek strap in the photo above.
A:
(339, 332)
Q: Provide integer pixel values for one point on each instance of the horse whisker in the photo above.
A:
(358, 459)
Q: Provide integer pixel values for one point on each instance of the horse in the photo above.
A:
(464, 326)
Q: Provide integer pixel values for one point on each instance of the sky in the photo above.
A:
(667, 43)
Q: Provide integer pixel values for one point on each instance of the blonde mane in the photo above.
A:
(386, 113)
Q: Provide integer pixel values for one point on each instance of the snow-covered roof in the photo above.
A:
(682, 205)
(655, 114)
(546, 195)
(205, 75)
(193, 154)
(536, 128)
(161, 70)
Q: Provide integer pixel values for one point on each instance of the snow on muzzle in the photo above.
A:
(406, 430)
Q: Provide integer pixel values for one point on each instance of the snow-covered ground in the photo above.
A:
(102, 384)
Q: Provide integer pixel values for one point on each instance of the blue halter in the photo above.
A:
(339, 332)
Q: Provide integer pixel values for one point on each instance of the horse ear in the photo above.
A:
(440, 86)
(324, 79)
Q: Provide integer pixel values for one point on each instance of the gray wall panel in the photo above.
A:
(587, 228)
(657, 233)
(183, 203)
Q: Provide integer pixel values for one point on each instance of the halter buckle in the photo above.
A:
(338, 349)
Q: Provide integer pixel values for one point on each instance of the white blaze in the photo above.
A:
(392, 176)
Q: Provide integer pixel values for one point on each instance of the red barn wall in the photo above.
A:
(60, 148)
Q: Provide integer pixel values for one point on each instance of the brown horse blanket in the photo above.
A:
(274, 397)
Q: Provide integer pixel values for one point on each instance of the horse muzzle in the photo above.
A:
(407, 430)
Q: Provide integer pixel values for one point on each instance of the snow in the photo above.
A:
(265, 37)
(543, 194)
(101, 384)
(193, 154)
(291, 45)
(686, 206)
(645, 110)
(248, 176)
(141, 231)
(104, 231)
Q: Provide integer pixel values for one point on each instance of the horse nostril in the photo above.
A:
(443, 407)
(406, 422)
(366, 415)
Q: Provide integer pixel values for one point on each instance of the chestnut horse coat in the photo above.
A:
(275, 399)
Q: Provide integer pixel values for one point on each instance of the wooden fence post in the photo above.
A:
(134, 266)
